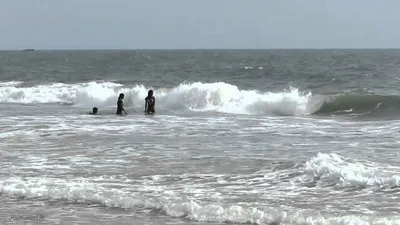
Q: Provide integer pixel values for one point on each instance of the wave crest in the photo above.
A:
(359, 103)
(217, 97)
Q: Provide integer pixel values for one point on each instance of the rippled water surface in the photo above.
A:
(217, 151)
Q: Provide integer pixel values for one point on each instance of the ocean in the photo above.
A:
(238, 137)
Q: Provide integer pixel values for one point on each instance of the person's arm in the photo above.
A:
(123, 109)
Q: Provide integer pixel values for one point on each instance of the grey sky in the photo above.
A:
(101, 24)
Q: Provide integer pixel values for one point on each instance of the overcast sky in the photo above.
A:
(133, 24)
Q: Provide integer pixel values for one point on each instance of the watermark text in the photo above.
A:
(27, 217)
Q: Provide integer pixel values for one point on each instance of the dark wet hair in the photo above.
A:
(121, 95)
(95, 109)
(150, 92)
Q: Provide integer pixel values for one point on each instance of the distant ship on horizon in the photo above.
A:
(29, 50)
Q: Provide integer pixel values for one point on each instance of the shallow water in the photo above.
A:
(213, 153)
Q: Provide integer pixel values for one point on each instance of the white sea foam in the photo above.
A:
(219, 97)
(341, 172)
(84, 191)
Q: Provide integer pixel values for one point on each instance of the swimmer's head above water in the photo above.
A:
(94, 110)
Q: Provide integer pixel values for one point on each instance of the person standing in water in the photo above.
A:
(150, 103)
(120, 105)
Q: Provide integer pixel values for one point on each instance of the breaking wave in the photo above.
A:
(218, 97)
(327, 168)
(335, 170)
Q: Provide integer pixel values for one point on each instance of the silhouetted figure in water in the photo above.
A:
(94, 111)
(120, 105)
(150, 103)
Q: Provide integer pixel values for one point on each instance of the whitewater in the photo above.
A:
(239, 137)
(215, 97)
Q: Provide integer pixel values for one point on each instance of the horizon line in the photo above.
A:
(185, 49)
